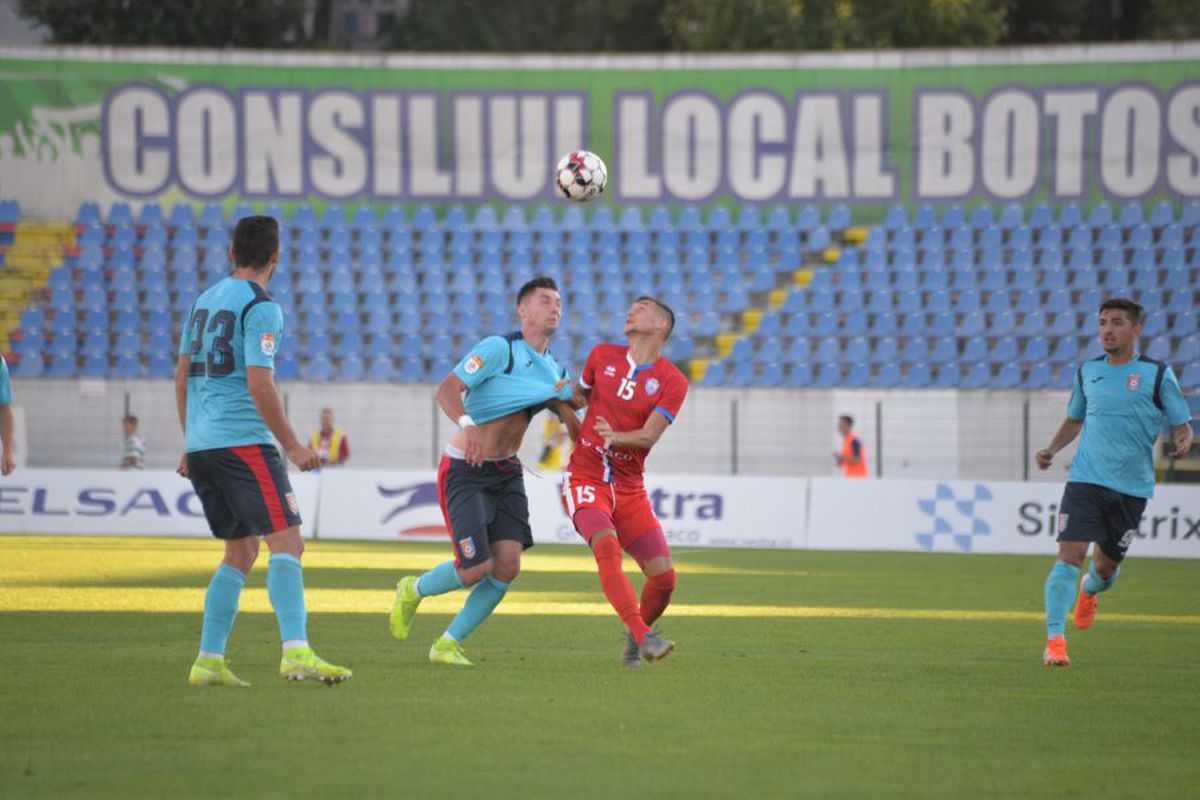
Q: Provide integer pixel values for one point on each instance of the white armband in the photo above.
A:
(465, 421)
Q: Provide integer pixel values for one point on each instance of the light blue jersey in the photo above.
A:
(1122, 408)
(5, 384)
(504, 374)
(233, 325)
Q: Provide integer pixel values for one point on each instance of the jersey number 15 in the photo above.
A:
(625, 390)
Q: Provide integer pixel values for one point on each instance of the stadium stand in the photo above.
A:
(978, 298)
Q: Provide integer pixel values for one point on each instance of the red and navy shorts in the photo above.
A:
(627, 506)
(244, 490)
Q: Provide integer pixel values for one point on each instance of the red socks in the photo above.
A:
(617, 587)
(656, 595)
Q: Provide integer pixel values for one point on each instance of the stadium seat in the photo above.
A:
(917, 377)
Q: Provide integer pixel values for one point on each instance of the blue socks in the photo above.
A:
(1060, 593)
(285, 586)
(1093, 584)
(220, 608)
(439, 580)
(482, 600)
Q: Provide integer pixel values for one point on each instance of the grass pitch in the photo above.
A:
(798, 674)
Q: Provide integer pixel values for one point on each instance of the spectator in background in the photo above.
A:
(7, 461)
(133, 455)
(554, 443)
(852, 459)
(331, 443)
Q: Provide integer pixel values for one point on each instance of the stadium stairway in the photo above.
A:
(748, 321)
(29, 251)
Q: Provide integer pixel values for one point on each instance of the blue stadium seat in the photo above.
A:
(917, 377)
(1040, 376)
(742, 374)
(882, 325)
(858, 376)
(945, 350)
(350, 368)
(1036, 349)
(1066, 350)
(715, 374)
(1102, 214)
(1189, 349)
(800, 374)
(979, 377)
(948, 376)
(828, 376)
(915, 350)
(886, 351)
(1005, 350)
(1009, 377)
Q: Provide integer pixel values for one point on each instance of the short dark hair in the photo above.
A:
(255, 240)
(846, 418)
(541, 282)
(1136, 313)
(130, 418)
(666, 310)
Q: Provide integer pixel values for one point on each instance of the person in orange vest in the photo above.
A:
(329, 442)
(852, 459)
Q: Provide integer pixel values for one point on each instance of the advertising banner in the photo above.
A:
(1080, 124)
(979, 517)
(118, 503)
(695, 510)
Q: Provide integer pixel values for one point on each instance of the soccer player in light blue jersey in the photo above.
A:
(1119, 401)
(229, 407)
(481, 489)
(7, 461)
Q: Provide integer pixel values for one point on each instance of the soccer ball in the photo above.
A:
(581, 176)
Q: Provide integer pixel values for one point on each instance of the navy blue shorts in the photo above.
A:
(1091, 513)
(483, 505)
(245, 491)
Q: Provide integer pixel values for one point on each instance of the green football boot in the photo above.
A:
(213, 672)
(449, 651)
(405, 607)
(302, 664)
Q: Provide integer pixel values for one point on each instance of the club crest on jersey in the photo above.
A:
(467, 546)
(473, 364)
(652, 386)
(292, 504)
(1132, 382)
(266, 343)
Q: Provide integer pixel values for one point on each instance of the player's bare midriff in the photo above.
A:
(501, 436)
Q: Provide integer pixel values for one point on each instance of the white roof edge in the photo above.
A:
(863, 59)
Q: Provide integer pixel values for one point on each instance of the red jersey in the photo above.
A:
(626, 394)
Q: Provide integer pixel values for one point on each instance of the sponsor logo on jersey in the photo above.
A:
(1132, 382)
(266, 343)
(610, 371)
(473, 364)
(652, 386)
(467, 546)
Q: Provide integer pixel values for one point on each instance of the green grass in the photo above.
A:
(94, 703)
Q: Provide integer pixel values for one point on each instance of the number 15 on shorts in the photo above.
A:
(585, 495)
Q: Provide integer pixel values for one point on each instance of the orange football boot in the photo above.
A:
(1085, 610)
(1055, 654)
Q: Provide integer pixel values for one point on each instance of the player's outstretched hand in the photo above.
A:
(605, 430)
(1183, 442)
(303, 457)
(7, 464)
(473, 451)
(1044, 458)
(182, 468)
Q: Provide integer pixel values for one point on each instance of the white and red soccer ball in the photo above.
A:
(581, 176)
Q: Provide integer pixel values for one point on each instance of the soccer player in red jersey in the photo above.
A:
(632, 394)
